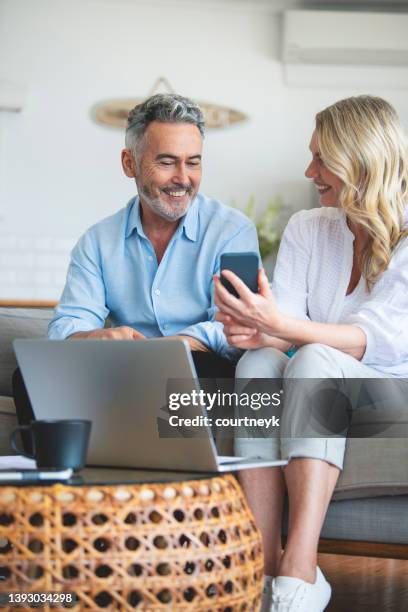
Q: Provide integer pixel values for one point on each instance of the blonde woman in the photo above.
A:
(340, 296)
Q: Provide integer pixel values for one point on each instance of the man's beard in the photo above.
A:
(170, 212)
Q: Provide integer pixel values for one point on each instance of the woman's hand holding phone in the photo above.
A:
(257, 312)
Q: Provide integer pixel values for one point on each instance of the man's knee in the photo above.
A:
(24, 409)
(210, 365)
(314, 361)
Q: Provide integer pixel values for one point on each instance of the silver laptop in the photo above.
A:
(123, 388)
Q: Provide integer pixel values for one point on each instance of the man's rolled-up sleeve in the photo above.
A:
(82, 305)
(209, 333)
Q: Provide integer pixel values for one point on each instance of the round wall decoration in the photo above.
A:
(114, 113)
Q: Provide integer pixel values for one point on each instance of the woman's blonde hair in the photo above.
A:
(361, 141)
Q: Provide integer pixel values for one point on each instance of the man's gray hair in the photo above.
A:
(165, 108)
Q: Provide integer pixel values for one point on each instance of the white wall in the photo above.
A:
(60, 171)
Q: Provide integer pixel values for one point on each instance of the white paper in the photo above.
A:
(17, 462)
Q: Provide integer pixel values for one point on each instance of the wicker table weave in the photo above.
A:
(188, 545)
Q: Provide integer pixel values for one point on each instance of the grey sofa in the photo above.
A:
(369, 511)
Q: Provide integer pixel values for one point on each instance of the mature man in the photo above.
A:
(149, 267)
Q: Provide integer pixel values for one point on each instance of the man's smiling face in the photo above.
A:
(168, 168)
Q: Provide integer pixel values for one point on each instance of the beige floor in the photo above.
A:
(362, 584)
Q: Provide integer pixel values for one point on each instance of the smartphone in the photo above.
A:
(245, 266)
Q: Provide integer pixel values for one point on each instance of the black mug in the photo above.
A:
(57, 444)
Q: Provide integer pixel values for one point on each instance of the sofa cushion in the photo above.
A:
(377, 463)
(8, 422)
(374, 467)
(18, 323)
(382, 519)
(387, 424)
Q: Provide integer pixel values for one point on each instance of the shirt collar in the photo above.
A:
(189, 223)
(134, 220)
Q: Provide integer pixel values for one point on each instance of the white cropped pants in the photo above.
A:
(315, 361)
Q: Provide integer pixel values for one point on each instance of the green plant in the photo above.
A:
(266, 223)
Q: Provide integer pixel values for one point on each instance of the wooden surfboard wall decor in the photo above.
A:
(114, 113)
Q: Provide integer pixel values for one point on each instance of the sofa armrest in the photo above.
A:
(8, 422)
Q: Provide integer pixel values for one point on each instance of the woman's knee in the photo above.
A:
(264, 362)
(264, 449)
(314, 361)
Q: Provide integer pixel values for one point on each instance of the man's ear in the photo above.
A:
(128, 163)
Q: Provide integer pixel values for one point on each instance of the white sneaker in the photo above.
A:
(295, 595)
(266, 600)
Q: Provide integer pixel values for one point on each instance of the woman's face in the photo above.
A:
(328, 184)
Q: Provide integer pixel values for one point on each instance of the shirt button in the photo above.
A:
(150, 258)
(157, 291)
(166, 326)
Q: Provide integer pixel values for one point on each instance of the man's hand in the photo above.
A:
(111, 333)
(240, 336)
(128, 333)
(195, 344)
(248, 338)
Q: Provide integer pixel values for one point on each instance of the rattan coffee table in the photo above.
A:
(126, 540)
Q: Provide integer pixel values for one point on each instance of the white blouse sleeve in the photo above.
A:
(384, 316)
(289, 285)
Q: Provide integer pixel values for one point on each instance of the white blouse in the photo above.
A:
(311, 277)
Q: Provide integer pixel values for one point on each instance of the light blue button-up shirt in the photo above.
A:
(114, 271)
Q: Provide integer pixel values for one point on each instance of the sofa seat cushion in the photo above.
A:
(383, 519)
(374, 467)
(383, 421)
(18, 323)
(8, 422)
(379, 519)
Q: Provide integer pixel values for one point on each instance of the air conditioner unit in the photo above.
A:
(338, 37)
